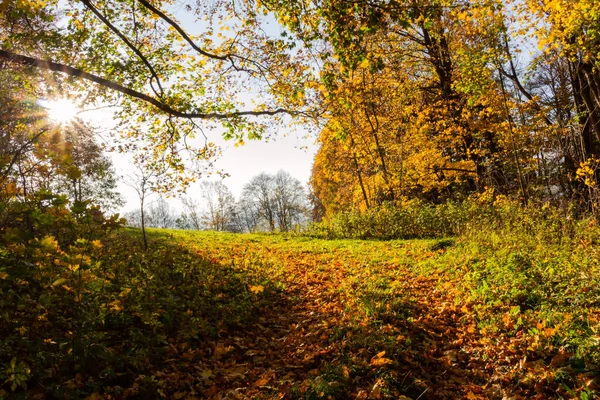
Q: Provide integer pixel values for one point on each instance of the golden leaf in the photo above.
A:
(256, 289)
(346, 372)
(264, 379)
(471, 396)
(206, 373)
(59, 281)
(376, 391)
(378, 362)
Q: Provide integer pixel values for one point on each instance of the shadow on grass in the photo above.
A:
(137, 324)
(284, 343)
(168, 322)
(422, 345)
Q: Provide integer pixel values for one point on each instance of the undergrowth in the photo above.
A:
(510, 307)
(485, 212)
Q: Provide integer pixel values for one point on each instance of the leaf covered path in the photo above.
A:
(348, 319)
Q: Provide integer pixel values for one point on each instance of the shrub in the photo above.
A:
(475, 218)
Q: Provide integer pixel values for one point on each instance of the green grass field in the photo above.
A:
(210, 315)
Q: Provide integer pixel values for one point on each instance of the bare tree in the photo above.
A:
(193, 215)
(160, 215)
(290, 201)
(278, 201)
(184, 222)
(259, 193)
(219, 204)
(142, 181)
(244, 217)
(133, 218)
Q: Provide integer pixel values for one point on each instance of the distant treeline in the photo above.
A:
(276, 202)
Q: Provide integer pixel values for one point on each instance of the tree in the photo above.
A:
(143, 182)
(429, 99)
(170, 85)
(160, 215)
(245, 217)
(259, 193)
(279, 201)
(193, 214)
(22, 127)
(38, 162)
(404, 82)
(219, 203)
(86, 173)
(573, 28)
(290, 201)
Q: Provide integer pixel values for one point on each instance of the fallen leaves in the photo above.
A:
(265, 378)
(337, 320)
(379, 360)
(340, 305)
(376, 390)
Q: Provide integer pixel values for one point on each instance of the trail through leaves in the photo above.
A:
(350, 320)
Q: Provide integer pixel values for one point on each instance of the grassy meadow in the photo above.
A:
(217, 315)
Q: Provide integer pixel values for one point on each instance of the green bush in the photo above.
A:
(475, 218)
(416, 220)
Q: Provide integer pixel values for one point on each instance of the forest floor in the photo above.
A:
(362, 319)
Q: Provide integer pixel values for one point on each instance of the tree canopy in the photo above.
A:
(225, 69)
(429, 98)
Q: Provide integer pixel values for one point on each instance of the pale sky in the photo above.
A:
(292, 152)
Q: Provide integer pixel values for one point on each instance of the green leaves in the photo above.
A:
(17, 374)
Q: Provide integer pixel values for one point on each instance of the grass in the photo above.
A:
(205, 314)
(489, 301)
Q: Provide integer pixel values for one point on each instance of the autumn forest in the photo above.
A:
(446, 246)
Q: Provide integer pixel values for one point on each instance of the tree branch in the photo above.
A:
(137, 52)
(225, 57)
(182, 32)
(513, 76)
(78, 73)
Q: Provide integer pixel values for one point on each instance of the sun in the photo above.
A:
(61, 110)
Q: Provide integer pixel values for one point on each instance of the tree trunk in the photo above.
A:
(143, 226)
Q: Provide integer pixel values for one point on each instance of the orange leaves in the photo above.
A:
(379, 360)
(343, 319)
(256, 289)
(376, 390)
(265, 378)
